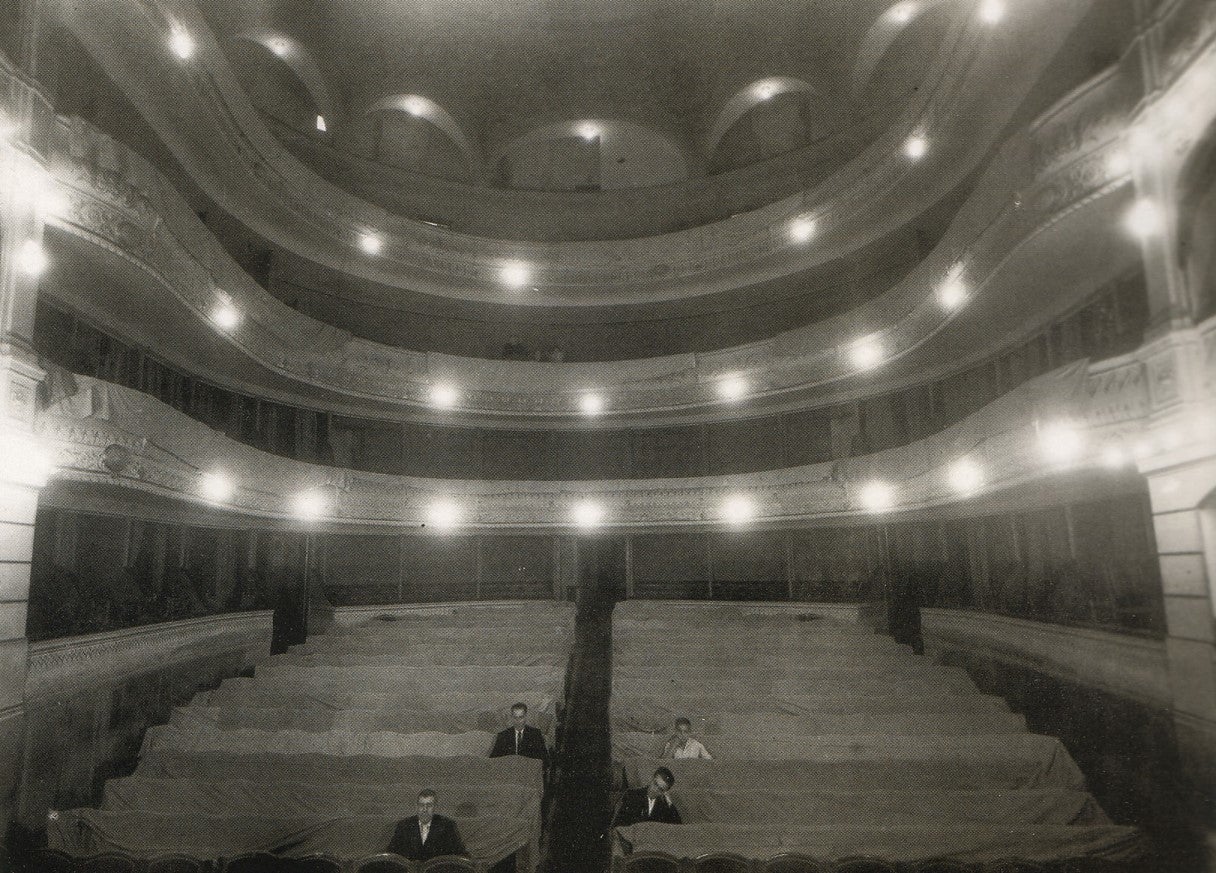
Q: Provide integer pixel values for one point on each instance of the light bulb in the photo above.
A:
(182, 44)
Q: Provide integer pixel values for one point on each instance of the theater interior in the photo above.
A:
(836, 375)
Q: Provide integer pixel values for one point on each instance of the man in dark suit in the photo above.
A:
(521, 738)
(651, 803)
(426, 835)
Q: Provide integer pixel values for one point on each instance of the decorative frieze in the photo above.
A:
(62, 666)
(1125, 665)
(112, 204)
(169, 450)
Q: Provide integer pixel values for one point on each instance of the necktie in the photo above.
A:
(518, 735)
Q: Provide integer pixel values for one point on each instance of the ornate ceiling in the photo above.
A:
(494, 72)
(1017, 180)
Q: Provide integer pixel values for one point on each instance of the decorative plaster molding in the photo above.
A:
(120, 202)
(284, 200)
(61, 666)
(1124, 665)
(169, 449)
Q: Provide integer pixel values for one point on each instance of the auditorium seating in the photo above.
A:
(324, 748)
(177, 864)
(834, 749)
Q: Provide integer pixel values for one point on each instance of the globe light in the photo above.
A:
(877, 496)
(444, 395)
(226, 316)
(802, 229)
(307, 505)
(371, 243)
(181, 43)
(417, 106)
(953, 291)
(515, 274)
(738, 509)
(587, 513)
(444, 514)
(732, 388)
(966, 476)
(215, 486)
(1113, 457)
(866, 353)
(591, 404)
(1061, 442)
(915, 147)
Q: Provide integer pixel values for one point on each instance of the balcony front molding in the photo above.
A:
(204, 117)
(1107, 402)
(67, 665)
(1039, 180)
(1117, 663)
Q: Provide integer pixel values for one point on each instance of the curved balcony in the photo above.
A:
(1049, 197)
(206, 120)
(552, 216)
(1054, 426)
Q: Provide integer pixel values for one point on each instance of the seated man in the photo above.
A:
(682, 745)
(426, 835)
(648, 804)
(521, 738)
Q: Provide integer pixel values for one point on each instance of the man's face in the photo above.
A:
(519, 718)
(683, 732)
(658, 787)
(426, 809)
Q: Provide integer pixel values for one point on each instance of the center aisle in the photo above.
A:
(582, 800)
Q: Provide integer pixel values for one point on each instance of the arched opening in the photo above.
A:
(590, 155)
(273, 86)
(1197, 226)
(413, 132)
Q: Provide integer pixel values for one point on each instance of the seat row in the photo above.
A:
(780, 735)
(53, 861)
(726, 862)
(320, 755)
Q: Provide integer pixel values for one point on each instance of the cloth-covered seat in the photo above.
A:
(383, 862)
(177, 863)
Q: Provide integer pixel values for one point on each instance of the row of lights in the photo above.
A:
(1143, 219)
(1061, 443)
(517, 274)
(801, 229)
(875, 496)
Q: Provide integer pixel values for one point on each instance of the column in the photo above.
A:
(1179, 460)
(1184, 521)
(628, 567)
(24, 465)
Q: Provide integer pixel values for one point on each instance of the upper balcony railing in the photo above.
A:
(207, 121)
(1042, 175)
(1075, 418)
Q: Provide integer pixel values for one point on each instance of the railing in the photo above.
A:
(168, 451)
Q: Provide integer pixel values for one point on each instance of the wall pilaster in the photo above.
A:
(24, 467)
